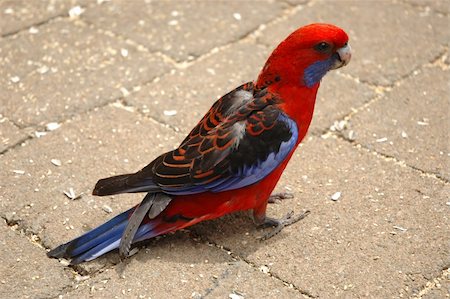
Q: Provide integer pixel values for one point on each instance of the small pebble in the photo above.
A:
(124, 91)
(56, 162)
(52, 126)
(64, 262)
(76, 11)
(43, 69)
(107, 209)
(351, 135)
(170, 112)
(15, 79)
(40, 134)
(33, 30)
(336, 196)
(237, 16)
(124, 52)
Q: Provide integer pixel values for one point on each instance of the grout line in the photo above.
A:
(251, 34)
(380, 92)
(255, 267)
(433, 283)
(62, 15)
(16, 144)
(37, 24)
(390, 158)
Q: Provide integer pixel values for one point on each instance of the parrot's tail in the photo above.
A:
(125, 183)
(102, 239)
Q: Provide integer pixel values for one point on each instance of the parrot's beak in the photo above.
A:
(343, 57)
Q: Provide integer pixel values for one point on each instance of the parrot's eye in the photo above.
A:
(322, 47)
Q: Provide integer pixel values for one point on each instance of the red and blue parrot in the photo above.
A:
(232, 159)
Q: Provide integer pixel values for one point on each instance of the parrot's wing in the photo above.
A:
(241, 140)
(244, 148)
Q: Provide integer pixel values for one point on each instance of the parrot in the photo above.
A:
(232, 159)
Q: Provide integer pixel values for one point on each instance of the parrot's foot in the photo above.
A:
(275, 198)
(279, 224)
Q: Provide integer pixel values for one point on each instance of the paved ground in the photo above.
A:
(95, 88)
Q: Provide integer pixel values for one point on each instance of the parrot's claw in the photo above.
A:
(279, 224)
(275, 198)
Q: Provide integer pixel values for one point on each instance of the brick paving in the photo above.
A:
(96, 88)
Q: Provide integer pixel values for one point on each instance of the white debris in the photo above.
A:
(380, 140)
(79, 278)
(8, 11)
(173, 23)
(56, 162)
(400, 228)
(448, 203)
(33, 30)
(235, 296)
(170, 112)
(404, 135)
(351, 135)
(264, 269)
(17, 171)
(43, 69)
(39, 134)
(336, 196)
(237, 16)
(52, 126)
(124, 52)
(64, 262)
(70, 194)
(107, 209)
(76, 11)
(124, 92)
(423, 122)
(15, 79)
(339, 126)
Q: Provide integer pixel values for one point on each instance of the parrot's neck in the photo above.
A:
(298, 103)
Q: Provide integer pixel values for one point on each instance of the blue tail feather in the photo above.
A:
(93, 243)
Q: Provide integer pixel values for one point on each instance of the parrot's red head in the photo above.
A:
(306, 55)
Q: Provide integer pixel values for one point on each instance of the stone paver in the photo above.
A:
(385, 236)
(183, 268)
(126, 80)
(31, 170)
(16, 15)
(175, 29)
(427, 5)
(9, 134)
(57, 72)
(25, 271)
(387, 38)
(411, 123)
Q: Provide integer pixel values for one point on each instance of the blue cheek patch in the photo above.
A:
(317, 70)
